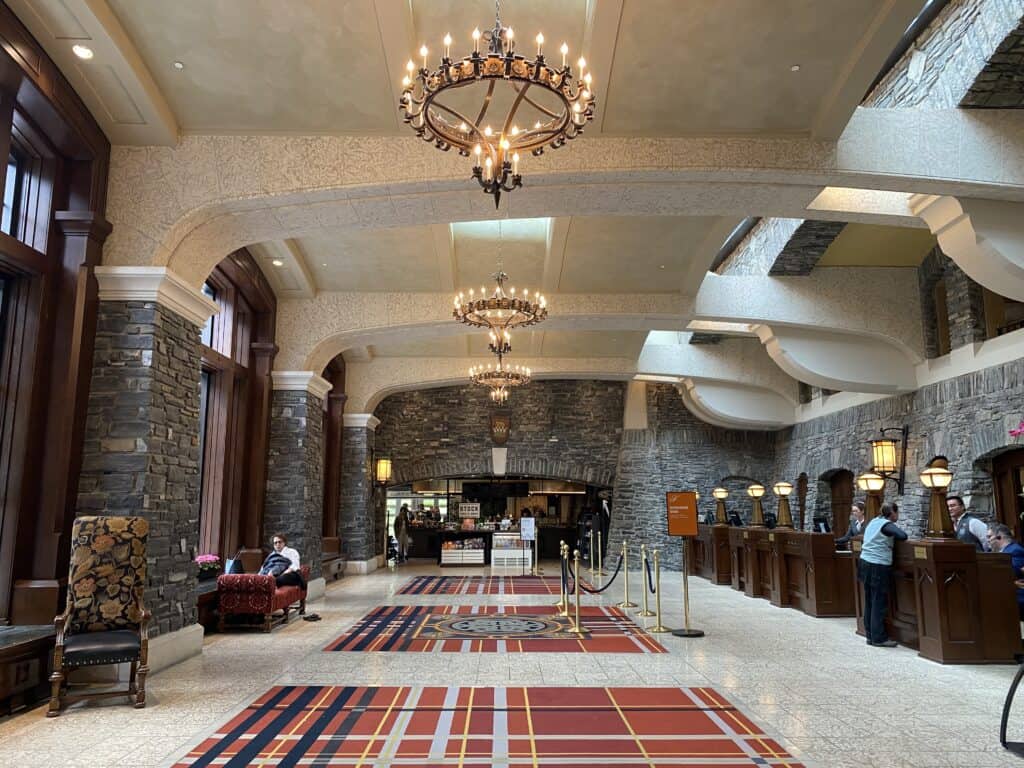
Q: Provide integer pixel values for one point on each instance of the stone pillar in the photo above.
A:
(294, 499)
(965, 303)
(141, 448)
(357, 521)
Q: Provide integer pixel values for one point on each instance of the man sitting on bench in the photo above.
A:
(283, 564)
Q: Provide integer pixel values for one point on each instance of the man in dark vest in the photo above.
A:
(968, 528)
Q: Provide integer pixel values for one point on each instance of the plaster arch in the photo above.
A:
(187, 206)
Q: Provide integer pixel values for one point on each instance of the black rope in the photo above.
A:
(590, 591)
(650, 579)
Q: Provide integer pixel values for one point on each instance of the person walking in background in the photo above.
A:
(402, 533)
(875, 572)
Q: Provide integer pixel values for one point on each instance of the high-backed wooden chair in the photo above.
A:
(105, 621)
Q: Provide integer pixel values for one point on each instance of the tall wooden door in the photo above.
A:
(1008, 479)
(841, 493)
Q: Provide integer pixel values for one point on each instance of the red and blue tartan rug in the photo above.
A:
(494, 629)
(484, 585)
(422, 727)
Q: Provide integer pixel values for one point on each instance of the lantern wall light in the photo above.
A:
(889, 455)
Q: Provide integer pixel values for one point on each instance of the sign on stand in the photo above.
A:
(469, 509)
(527, 529)
(682, 521)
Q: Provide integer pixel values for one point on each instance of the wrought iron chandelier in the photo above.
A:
(551, 104)
(500, 378)
(500, 312)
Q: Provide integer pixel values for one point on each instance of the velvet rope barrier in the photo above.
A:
(590, 591)
(650, 578)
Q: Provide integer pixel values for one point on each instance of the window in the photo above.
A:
(1002, 315)
(207, 335)
(12, 192)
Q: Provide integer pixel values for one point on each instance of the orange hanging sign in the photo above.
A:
(682, 513)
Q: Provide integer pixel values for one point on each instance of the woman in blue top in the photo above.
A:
(875, 572)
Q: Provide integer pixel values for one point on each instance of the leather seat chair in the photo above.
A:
(247, 595)
(105, 621)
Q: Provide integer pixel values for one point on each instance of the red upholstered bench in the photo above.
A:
(249, 594)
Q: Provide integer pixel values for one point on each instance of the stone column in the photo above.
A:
(294, 499)
(141, 448)
(357, 514)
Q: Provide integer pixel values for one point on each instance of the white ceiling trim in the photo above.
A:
(395, 23)
(301, 381)
(600, 36)
(554, 256)
(156, 284)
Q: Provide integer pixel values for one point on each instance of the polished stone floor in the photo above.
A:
(831, 699)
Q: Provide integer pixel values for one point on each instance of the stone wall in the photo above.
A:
(965, 303)
(141, 451)
(756, 253)
(560, 429)
(944, 63)
(294, 499)
(677, 451)
(1000, 85)
(804, 249)
(966, 419)
(356, 517)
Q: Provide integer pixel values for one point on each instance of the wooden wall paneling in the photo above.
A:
(235, 469)
(261, 393)
(333, 441)
(841, 487)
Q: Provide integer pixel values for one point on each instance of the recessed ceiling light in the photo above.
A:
(179, 65)
(82, 51)
(795, 68)
(325, 263)
(277, 263)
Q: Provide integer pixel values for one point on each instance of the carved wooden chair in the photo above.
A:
(104, 621)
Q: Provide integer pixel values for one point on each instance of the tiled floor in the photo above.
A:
(831, 699)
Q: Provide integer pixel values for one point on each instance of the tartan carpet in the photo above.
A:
(418, 727)
(430, 629)
(484, 585)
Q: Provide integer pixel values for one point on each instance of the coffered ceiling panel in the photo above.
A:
(630, 254)
(723, 67)
(519, 244)
(398, 259)
(263, 66)
(870, 245)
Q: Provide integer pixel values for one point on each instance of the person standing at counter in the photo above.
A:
(402, 532)
(875, 572)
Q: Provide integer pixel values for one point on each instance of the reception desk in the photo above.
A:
(799, 569)
(708, 554)
(953, 604)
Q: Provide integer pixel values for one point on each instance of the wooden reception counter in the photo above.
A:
(791, 568)
(951, 603)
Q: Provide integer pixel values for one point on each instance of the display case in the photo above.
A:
(464, 548)
(509, 551)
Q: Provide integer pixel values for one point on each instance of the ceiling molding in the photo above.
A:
(860, 69)
(115, 84)
(600, 36)
(301, 381)
(554, 255)
(291, 280)
(444, 250)
(395, 24)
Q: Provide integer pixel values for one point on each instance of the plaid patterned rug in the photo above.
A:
(484, 585)
(416, 727)
(493, 629)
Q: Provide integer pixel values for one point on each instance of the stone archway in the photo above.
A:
(834, 498)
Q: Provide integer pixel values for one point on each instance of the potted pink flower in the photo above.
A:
(209, 566)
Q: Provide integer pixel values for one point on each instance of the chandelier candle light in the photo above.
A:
(552, 105)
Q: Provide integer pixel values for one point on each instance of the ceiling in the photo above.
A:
(868, 245)
(607, 254)
(661, 67)
(525, 344)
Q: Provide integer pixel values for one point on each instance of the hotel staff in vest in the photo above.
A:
(875, 572)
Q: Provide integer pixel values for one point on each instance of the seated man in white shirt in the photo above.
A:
(283, 563)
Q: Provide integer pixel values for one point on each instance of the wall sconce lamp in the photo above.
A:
(382, 471)
(721, 517)
(936, 477)
(889, 455)
(785, 517)
(755, 492)
(873, 486)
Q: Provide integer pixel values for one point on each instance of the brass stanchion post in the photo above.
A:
(600, 564)
(645, 610)
(686, 631)
(626, 603)
(590, 551)
(658, 626)
(563, 609)
(576, 628)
